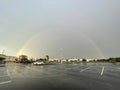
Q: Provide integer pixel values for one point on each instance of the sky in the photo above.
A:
(60, 28)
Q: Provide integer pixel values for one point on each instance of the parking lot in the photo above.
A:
(82, 76)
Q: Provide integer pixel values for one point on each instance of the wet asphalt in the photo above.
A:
(81, 76)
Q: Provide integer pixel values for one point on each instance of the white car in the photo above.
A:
(39, 63)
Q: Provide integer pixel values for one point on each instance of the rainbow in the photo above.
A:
(97, 48)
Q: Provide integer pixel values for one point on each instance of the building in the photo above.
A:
(2, 55)
(8, 58)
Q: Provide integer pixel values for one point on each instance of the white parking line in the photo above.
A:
(85, 69)
(5, 82)
(102, 70)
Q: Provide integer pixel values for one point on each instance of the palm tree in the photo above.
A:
(47, 57)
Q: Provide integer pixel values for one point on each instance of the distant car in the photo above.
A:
(38, 63)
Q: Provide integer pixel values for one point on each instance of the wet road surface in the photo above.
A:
(83, 76)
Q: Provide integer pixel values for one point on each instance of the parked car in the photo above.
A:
(38, 63)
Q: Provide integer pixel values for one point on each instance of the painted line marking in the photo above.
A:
(85, 69)
(103, 68)
(5, 82)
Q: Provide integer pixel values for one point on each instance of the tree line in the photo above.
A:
(112, 60)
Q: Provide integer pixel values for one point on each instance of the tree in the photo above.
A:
(67, 60)
(47, 57)
(118, 59)
(23, 58)
(84, 60)
(112, 60)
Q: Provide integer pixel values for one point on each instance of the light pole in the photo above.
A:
(61, 55)
(3, 51)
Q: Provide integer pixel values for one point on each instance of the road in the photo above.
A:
(83, 76)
